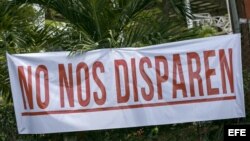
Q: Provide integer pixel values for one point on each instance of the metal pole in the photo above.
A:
(234, 16)
(229, 16)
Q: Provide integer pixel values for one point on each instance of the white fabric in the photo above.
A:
(148, 108)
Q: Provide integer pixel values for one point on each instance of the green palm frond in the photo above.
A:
(118, 23)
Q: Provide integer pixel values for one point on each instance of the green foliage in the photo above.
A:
(14, 20)
(7, 123)
(207, 31)
(119, 23)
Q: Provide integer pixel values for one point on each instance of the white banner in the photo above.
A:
(193, 80)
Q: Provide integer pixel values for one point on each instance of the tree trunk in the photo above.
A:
(242, 11)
